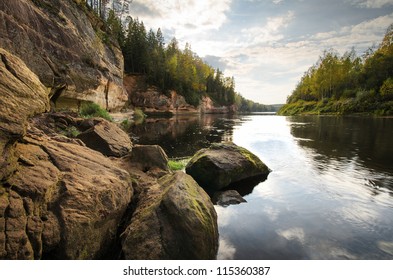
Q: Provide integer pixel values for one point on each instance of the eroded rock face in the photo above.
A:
(152, 100)
(57, 41)
(174, 219)
(64, 201)
(21, 96)
(223, 164)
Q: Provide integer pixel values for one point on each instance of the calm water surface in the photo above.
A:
(330, 195)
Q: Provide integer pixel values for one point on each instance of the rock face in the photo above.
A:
(174, 219)
(207, 106)
(21, 96)
(57, 41)
(107, 138)
(65, 202)
(152, 100)
(223, 164)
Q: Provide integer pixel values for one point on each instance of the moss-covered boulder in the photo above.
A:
(223, 164)
(174, 219)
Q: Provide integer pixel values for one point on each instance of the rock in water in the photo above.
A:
(174, 219)
(107, 138)
(223, 164)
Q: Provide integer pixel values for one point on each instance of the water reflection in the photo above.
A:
(330, 195)
(349, 142)
(183, 135)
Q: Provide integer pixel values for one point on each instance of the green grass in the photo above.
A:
(90, 110)
(178, 164)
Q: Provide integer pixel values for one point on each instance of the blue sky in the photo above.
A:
(267, 45)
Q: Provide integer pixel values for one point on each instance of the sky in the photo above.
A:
(267, 45)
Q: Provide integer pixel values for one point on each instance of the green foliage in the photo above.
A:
(170, 68)
(71, 132)
(346, 84)
(138, 114)
(126, 125)
(91, 109)
(246, 105)
(178, 164)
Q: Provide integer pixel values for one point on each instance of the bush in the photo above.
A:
(90, 110)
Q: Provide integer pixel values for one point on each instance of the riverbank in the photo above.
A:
(338, 107)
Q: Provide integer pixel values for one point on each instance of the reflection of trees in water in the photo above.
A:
(364, 141)
(182, 136)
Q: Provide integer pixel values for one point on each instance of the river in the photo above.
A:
(330, 192)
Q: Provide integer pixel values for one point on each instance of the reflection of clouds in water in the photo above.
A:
(225, 214)
(272, 213)
(385, 246)
(359, 215)
(292, 234)
(325, 249)
(226, 250)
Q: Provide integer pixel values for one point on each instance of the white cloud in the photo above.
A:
(185, 18)
(374, 4)
(226, 250)
(270, 32)
(361, 36)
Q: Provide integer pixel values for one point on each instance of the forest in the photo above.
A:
(169, 67)
(343, 84)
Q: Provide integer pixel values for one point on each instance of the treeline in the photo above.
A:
(247, 106)
(347, 83)
(169, 67)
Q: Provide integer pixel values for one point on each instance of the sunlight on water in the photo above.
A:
(320, 202)
(329, 195)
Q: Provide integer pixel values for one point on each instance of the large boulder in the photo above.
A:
(62, 43)
(63, 201)
(223, 164)
(174, 219)
(107, 138)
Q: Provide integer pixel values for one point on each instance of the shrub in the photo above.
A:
(90, 110)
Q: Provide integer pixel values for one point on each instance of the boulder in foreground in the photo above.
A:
(223, 164)
(174, 219)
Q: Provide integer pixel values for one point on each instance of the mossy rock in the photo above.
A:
(223, 164)
(174, 219)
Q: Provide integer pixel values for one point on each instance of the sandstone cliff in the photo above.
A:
(68, 197)
(64, 46)
(152, 100)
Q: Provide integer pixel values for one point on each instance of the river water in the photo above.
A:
(330, 192)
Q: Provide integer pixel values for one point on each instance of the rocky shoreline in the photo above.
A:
(76, 188)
